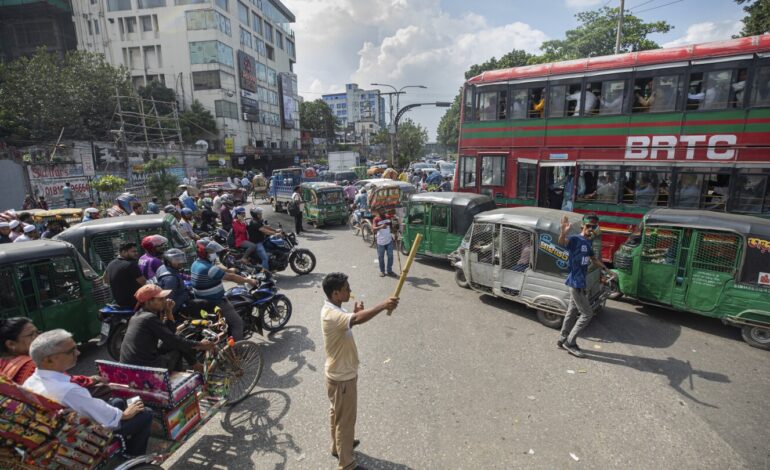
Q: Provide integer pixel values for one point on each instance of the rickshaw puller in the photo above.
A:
(581, 253)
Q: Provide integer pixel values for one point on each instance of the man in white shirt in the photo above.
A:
(341, 367)
(54, 352)
(590, 102)
(216, 205)
(30, 233)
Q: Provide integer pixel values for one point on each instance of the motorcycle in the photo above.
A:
(282, 251)
(261, 307)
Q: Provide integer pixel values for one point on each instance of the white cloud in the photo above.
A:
(706, 32)
(401, 42)
(582, 3)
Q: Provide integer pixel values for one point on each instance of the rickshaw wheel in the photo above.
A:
(756, 337)
(367, 232)
(243, 374)
(551, 320)
(352, 224)
(460, 279)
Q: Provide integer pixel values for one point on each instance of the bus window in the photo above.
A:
(519, 103)
(526, 181)
(601, 185)
(752, 193)
(468, 112)
(656, 94)
(564, 100)
(689, 188)
(492, 105)
(611, 98)
(646, 188)
(493, 170)
(716, 89)
(537, 102)
(467, 172)
(760, 95)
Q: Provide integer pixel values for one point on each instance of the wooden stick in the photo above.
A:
(405, 272)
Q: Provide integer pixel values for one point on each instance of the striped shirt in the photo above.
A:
(207, 280)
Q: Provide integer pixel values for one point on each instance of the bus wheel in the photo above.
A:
(756, 336)
(551, 320)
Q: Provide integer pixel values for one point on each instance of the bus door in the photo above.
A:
(553, 178)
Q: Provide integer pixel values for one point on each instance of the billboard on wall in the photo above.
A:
(247, 71)
(287, 85)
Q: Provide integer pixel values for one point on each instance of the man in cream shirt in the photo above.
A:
(341, 368)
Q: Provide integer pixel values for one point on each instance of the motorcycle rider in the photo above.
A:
(258, 230)
(170, 277)
(153, 207)
(241, 234)
(225, 216)
(208, 216)
(122, 205)
(349, 190)
(185, 224)
(151, 260)
(207, 277)
(360, 205)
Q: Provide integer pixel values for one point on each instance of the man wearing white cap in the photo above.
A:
(5, 232)
(30, 233)
(17, 229)
(91, 213)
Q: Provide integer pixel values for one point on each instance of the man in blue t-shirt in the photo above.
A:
(581, 254)
(207, 285)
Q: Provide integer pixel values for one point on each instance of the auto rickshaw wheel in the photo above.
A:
(460, 279)
(756, 336)
(551, 320)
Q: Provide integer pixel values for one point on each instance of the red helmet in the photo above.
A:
(154, 244)
(204, 247)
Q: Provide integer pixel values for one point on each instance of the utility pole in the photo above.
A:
(620, 27)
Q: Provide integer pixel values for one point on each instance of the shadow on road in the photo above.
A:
(290, 343)
(422, 283)
(676, 370)
(252, 426)
(368, 461)
(291, 280)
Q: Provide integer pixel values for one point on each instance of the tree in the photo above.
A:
(197, 123)
(317, 118)
(161, 183)
(596, 36)
(758, 19)
(44, 93)
(411, 139)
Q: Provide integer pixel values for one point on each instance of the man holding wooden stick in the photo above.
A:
(341, 369)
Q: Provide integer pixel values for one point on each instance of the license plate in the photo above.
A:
(105, 329)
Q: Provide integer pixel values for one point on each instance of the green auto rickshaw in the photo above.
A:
(98, 240)
(442, 218)
(324, 203)
(710, 263)
(49, 282)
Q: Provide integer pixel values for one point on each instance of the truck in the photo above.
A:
(282, 184)
(343, 161)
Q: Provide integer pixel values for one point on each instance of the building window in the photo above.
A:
(271, 77)
(256, 23)
(268, 32)
(279, 40)
(146, 23)
(118, 5)
(226, 109)
(151, 3)
(189, 2)
(260, 47)
(243, 13)
(210, 52)
(270, 52)
(130, 24)
(208, 80)
(290, 48)
(222, 4)
(246, 38)
(200, 19)
(90, 28)
(96, 26)
(261, 72)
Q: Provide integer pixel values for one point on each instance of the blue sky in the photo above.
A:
(432, 42)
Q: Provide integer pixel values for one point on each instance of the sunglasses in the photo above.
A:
(592, 226)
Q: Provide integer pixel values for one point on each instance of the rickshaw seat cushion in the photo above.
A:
(156, 387)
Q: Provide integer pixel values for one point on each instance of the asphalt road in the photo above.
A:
(457, 380)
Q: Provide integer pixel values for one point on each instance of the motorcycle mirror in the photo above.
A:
(203, 314)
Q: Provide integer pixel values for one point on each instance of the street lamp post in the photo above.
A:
(394, 134)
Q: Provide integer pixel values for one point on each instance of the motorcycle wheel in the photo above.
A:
(302, 261)
(276, 314)
(116, 340)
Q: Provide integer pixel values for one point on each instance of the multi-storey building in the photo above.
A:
(236, 57)
(26, 25)
(361, 110)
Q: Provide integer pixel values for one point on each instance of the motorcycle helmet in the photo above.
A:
(174, 258)
(255, 212)
(154, 244)
(125, 201)
(205, 247)
(187, 212)
(238, 211)
(170, 209)
(207, 202)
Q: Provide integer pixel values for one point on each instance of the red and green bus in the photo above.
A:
(683, 127)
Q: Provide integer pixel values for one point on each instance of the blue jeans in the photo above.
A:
(263, 256)
(381, 249)
(135, 431)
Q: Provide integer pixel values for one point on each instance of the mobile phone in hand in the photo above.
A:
(133, 400)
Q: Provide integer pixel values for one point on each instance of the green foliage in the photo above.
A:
(757, 20)
(44, 93)
(449, 127)
(411, 139)
(160, 183)
(317, 118)
(108, 184)
(197, 123)
(596, 36)
(161, 94)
